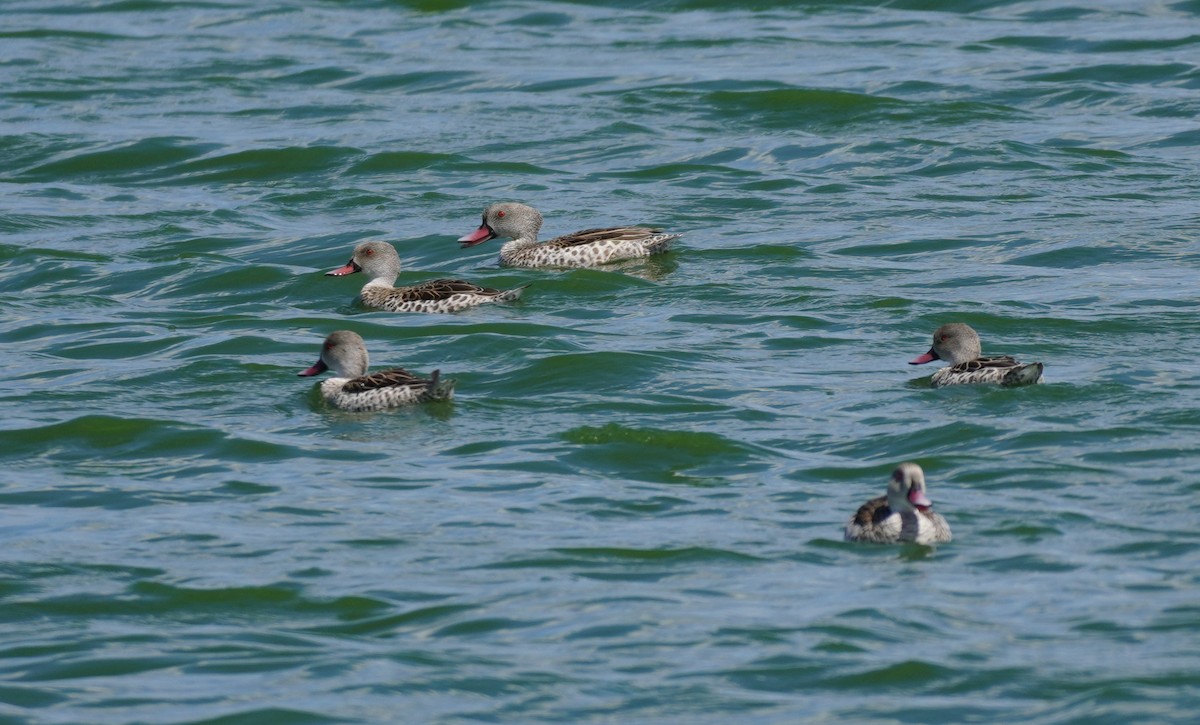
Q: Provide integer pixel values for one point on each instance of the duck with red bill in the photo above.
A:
(959, 345)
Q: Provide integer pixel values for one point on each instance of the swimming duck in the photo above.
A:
(958, 345)
(587, 248)
(353, 389)
(903, 514)
(381, 264)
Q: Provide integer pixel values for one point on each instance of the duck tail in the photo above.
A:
(513, 294)
(1024, 375)
(437, 388)
(660, 242)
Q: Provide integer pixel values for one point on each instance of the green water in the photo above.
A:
(632, 511)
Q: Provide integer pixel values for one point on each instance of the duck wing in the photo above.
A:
(1002, 362)
(394, 378)
(440, 289)
(603, 234)
(872, 512)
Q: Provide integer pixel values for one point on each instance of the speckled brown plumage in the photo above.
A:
(381, 264)
(959, 345)
(587, 248)
(355, 390)
(388, 379)
(438, 295)
(1004, 370)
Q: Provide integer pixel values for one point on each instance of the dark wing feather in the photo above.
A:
(440, 289)
(872, 512)
(983, 363)
(588, 236)
(396, 377)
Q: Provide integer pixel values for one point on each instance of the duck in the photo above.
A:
(345, 353)
(380, 263)
(903, 514)
(958, 344)
(521, 223)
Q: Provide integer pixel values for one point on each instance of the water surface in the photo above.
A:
(632, 511)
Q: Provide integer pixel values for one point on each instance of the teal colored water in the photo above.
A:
(632, 511)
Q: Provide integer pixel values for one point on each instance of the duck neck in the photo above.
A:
(899, 503)
(386, 279)
(522, 242)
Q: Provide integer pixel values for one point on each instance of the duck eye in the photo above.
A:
(945, 337)
(369, 252)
